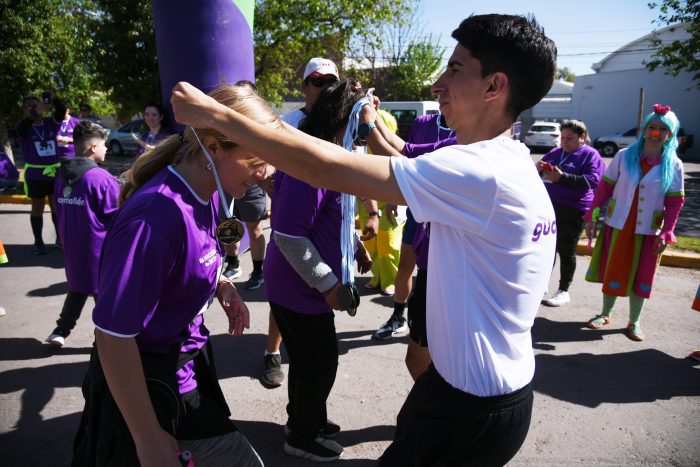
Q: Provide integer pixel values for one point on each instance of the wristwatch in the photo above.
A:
(375, 213)
(365, 129)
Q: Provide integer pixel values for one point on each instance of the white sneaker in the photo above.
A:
(56, 339)
(560, 298)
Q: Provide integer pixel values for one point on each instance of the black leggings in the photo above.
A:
(72, 308)
(569, 228)
(439, 425)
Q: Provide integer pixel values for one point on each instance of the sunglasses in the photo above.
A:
(321, 82)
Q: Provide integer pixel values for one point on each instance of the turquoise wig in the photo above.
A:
(634, 152)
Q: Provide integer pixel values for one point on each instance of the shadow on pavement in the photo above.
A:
(29, 348)
(22, 256)
(546, 331)
(623, 378)
(60, 288)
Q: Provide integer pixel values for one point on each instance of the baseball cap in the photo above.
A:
(319, 67)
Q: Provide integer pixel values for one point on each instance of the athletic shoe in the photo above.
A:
(58, 337)
(389, 290)
(273, 374)
(329, 430)
(560, 298)
(39, 249)
(318, 450)
(255, 282)
(233, 273)
(396, 325)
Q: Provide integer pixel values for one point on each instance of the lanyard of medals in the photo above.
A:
(230, 230)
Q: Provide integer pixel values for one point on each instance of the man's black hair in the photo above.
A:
(516, 46)
(84, 131)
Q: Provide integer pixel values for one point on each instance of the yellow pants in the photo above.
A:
(384, 249)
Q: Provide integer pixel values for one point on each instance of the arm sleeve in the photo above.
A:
(672, 208)
(411, 150)
(107, 203)
(602, 195)
(303, 256)
(574, 181)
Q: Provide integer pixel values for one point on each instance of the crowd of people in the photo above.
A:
(487, 219)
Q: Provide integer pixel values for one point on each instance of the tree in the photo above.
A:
(44, 44)
(678, 56)
(565, 74)
(125, 54)
(288, 33)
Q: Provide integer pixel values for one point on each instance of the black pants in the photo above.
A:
(72, 308)
(312, 347)
(439, 425)
(569, 228)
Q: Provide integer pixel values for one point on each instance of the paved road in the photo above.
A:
(600, 399)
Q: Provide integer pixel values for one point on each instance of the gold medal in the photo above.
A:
(230, 231)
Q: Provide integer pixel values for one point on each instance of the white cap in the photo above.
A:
(319, 67)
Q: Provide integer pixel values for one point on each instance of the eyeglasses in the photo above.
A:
(321, 82)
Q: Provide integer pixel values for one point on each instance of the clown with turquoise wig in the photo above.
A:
(643, 186)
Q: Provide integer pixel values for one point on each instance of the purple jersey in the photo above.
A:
(585, 161)
(159, 268)
(8, 171)
(65, 128)
(152, 140)
(300, 210)
(427, 135)
(85, 203)
(39, 147)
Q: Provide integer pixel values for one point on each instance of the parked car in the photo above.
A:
(543, 135)
(407, 111)
(121, 142)
(608, 145)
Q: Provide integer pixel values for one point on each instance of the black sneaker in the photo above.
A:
(318, 450)
(329, 430)
(255, 282)
(396, 325)
(233, 273)
(39, 249)
(273, 374)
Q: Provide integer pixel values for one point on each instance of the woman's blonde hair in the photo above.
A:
(242, 99)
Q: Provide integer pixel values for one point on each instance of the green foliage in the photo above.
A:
(288, 33)
(565, 74)
(124, 50)
(678, 56)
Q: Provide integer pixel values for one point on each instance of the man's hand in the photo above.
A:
(364, 260)
(159, 449)
(391, 213)
(368, 114)
(234, 307)
(191, 106)
(370, 229)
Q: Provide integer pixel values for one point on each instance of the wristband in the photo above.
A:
(375, 213)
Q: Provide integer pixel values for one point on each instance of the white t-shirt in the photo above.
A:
(294, 117)
(493, 237)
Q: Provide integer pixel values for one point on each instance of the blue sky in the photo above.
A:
(584, 33)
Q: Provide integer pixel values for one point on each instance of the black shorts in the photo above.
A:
(252, 207)
(39, 188)
(440, 425)
(409, 228)
(416, 309)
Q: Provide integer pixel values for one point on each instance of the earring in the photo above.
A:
(209, 167)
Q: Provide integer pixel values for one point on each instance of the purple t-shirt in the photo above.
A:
(39, 147)
(8, 171)
(585, 161)
(159, 268)
(152, 140)
(426, 136)
(65, 128)
(84, 211)
(300, 210)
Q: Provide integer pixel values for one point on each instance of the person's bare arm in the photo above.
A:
(121, 363)
(310, 159)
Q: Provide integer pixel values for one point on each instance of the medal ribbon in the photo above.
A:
(222, 196)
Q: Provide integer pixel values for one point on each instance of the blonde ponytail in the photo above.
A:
(242, 99)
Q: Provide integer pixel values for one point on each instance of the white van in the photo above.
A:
(405, 112)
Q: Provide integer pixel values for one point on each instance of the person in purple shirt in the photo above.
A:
(302, 281)
(64, 137)
(151, 388)
(36, 137)
(154, 117)
(86, 201)
(571, 174)
(9, 175)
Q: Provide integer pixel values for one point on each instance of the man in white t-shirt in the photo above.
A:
(318, 75)
(492, 235)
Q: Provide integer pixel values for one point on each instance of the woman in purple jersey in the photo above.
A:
(151, 388)
(302, 282)
(154, 118)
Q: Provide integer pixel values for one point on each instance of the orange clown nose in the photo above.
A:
(655, 133)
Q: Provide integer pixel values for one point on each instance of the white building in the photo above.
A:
(608, 100)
